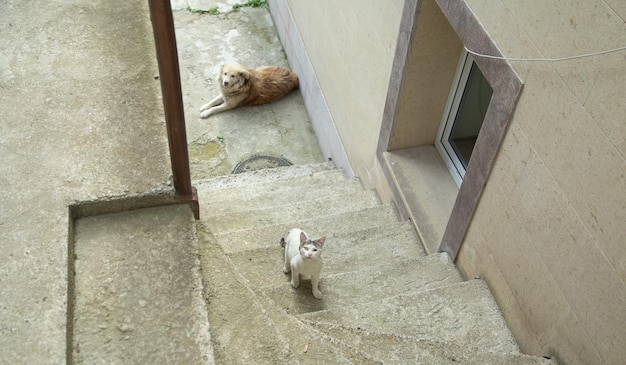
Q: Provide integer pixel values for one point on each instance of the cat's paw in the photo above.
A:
(295, 284)
(317, 294)
(205, 114)
(286, 271)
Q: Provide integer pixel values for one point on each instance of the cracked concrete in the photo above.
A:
(78, 92)
(83, 121)
(247, 37)
(384, 300)
(138, 289)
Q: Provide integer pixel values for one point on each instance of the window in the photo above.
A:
(465, 111)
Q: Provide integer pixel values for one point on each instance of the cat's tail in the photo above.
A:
(282, 242)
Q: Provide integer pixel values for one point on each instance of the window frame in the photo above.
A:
(507, 87)
(442, 143)
(458, 91)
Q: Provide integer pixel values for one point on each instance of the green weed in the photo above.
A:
(215, 10)
(251, 4)
(201, 11)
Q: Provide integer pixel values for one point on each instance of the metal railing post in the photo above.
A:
(169, 74)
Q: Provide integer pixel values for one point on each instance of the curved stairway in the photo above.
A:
(385, 301)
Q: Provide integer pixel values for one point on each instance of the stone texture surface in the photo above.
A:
(83, 122)
(138, 289)
(247, 37)
(384, 300)
(81, 119)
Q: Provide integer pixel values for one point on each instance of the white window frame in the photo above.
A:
(442, 143)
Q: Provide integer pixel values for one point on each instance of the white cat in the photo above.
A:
(303, 257)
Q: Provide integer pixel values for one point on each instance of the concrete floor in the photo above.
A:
(82, 120)
(218, 143)
(138, 291)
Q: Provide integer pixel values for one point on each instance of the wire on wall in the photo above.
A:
(546, 59)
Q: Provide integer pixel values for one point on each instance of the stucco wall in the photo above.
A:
(429, 74)
(351, 45)
(548, 234)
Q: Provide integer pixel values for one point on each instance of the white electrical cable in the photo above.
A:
(546, 59)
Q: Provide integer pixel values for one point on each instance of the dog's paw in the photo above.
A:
(205, 114)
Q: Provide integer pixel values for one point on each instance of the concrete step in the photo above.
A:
(138, 289)
(241, 331)
(249, 180)
(311, 346)
(247, 330)
(291, 209)
(395, 349)
(367, 247)
(345, 252)
(384, 300)
(325, 183)
(463, 313)
(402, 276)
(256, 237)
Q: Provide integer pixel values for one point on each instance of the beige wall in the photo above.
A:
(549, 232)
(430, 70)
(351, 44)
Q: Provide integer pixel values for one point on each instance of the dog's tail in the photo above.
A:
(290, 77)
(295, 80)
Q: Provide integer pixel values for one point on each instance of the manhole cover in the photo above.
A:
(258, 162)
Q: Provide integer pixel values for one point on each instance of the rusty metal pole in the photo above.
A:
(169, 74)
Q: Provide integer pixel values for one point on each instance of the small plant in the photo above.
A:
(215, 10)
(201, 11)
(251, 4)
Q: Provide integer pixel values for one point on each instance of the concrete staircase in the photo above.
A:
(153, 285)
(385, 301)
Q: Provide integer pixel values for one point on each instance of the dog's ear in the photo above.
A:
(220, 73)
(245, 75)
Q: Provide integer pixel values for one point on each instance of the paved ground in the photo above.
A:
(138, 290)
(82, 120)
(247, 37)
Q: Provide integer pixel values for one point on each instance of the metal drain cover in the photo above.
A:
(258, 162)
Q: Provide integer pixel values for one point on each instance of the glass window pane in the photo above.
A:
(470, 115)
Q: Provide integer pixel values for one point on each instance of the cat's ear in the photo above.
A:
(322, 240)
(303, 237)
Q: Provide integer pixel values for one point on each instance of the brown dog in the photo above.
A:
(246, 86)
